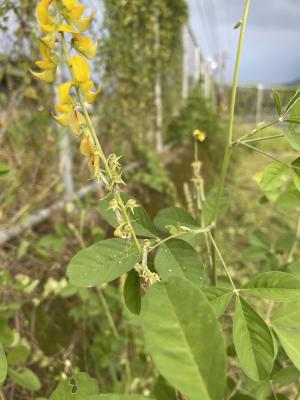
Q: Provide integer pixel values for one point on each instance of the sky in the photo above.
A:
(271, 53)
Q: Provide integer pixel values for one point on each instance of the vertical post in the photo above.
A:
(259, 102)
(206, 82)
(185, 62)
(196, 65)
(157, 90)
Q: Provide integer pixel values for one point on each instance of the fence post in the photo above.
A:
(185, 62)
(197, 62)
(158, 90)
(259, 102)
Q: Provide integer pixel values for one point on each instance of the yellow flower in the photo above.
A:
(82, 74)
(200, 135)
(83, 24)
(84, 45)
(47, 63)
(47, 22)
(49, 40)
(87, 149)
(73, 11)
(78, 123)
(65, 106)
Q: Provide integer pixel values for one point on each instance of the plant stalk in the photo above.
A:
(228, 148)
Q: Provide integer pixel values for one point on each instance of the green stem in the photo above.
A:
(255, 131)
(108, 313)
(264, 153)
(176, 235)
(228, 148)
(262, 138)
(223, 262)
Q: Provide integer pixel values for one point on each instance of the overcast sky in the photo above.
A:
(271, 53)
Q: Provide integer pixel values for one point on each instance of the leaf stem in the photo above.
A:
(108, 313)
(262, 138)
(222, 261)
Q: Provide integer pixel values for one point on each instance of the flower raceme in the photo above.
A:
(60, 19)
(56, 19)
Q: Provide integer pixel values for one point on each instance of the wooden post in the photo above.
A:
(185, 62)
(158, 91)
(197, 62)
(259, 103)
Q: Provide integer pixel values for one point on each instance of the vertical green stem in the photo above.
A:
(228, 148)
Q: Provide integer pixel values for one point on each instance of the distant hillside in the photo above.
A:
(295, 82)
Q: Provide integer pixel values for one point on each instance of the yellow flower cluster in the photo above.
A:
(60, 17)
(199, 135)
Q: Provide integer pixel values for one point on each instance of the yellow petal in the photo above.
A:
(49, 40)
(66, 28)
(47, 28)
(45, 64)
(76, 12)
(77, 123)
(63, 119)
(85, 147)
(84, 45)
(200, 135)
(64, 108)
(83, 24)
(47, 23)
(69, 4)
(86, 86)
(64, 92)
(80, 68)
(42, 11)
(48, 75)
(91, 96)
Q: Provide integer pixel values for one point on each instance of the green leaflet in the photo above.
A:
(286, 323)
(80, 387)
(274, 176)
(219, 298)
(290, 341)
(274, 285)
(285, 376)
(102, 262)
(176, 257)
(296, 172)
(184, 338)
(25, 378)
(253, 342)
(141, 221)
(3, 366)
(287, 314)
(174, 216)
(293, 138)
(132, 292)
(288, 200)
